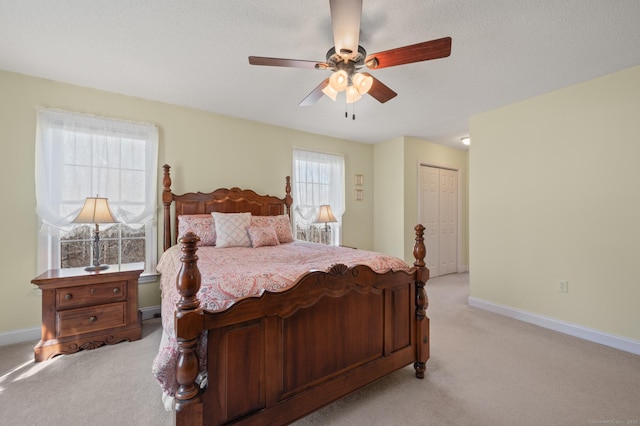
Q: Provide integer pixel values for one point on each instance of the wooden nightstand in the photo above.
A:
(86, 310)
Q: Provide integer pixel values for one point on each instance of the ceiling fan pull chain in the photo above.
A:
(353, 111)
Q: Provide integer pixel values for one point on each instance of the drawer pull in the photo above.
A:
(68, 296)
(93, 319)
(93, 291)
(116, 290)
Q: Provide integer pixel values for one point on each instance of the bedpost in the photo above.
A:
(422, 301)
(167, 198)
(188, 281)
(288, 200)
(189, 326)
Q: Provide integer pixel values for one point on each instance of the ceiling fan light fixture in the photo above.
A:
(372, 63)
(330, 92)
(352, 94)
(346, 57)
(339, 80)
(362, 82)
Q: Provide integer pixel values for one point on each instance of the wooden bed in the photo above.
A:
(275, 358)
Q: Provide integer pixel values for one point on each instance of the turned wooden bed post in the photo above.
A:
(422, 301)
(288, 200)
(189, 326)
(167, 198)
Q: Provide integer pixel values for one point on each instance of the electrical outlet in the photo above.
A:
(563, 286)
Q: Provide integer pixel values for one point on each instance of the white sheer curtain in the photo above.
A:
(80, 155)
(318, 179)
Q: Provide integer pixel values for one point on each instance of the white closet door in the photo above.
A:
(448, 222)
(430, 215)
(439, 216)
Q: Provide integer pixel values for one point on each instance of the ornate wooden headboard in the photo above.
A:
(234, 200)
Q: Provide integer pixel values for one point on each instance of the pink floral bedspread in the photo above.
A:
(231, 273)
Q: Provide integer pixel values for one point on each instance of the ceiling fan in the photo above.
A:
(347, 57)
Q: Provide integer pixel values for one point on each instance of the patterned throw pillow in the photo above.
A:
(231, 229)
(262, 236)
(283, 229)
(201, 225)
(281, 223)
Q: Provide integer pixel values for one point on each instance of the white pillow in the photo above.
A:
(231, 229)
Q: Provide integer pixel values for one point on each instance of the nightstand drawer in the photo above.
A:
(86, 320)
(95, 294)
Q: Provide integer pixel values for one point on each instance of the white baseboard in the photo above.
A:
(581, 332)
(26, 334)
(19, 336)
(150, 312)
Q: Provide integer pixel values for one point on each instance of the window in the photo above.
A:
(79, 156)
(318, 179)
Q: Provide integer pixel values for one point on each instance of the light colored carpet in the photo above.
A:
(485, 369)
(95, 387)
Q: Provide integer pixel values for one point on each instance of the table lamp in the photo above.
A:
(95, 210)
(325, 215)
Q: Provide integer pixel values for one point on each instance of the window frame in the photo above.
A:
(53, 126)
(335, 196)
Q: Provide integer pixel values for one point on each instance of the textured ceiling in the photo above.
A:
(194, 53)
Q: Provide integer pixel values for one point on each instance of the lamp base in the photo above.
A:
(96, 268)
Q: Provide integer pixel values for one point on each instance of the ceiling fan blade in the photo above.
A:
(434, 49)
(315, 94)
(345, 19)
(291, 63)
(379, 90)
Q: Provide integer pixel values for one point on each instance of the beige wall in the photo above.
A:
(388, 218)
(396, 165)
(206, 151)
(555, 185)
(418, 152)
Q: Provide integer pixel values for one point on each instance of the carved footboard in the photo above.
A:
(275, 358)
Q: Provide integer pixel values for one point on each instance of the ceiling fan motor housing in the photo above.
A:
(357, 59)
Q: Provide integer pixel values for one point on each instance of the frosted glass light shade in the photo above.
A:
(339, 80)
(328, 90)
(362, 82)
(352, 94)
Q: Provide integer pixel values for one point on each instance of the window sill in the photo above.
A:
(148, 278)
